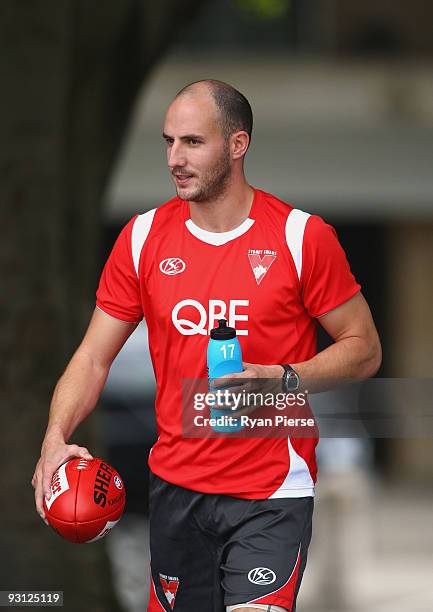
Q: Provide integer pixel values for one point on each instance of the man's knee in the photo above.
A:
(254, 608)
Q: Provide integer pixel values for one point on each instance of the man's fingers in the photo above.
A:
(35, 474)
(46, 482)
(84, 453)
(236, 376)
(232, 375)
(223, 382)
(45, 469)
(36, 482)
(46, 477)
(73, 450)
(39, 505)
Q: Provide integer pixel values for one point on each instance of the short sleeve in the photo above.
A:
(326, 278)
(118, 293)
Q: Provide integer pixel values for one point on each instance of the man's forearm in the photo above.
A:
(75, 395)
(351, 358)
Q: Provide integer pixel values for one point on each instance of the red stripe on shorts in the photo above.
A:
(285, 595)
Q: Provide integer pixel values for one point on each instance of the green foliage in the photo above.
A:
(264, 9)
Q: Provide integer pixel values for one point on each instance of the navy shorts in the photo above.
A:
(212, 551)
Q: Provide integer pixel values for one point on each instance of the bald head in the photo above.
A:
(233, 109)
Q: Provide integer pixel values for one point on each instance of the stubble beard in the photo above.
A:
(213, 184)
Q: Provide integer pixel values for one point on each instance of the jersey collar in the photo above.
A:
(220, 238)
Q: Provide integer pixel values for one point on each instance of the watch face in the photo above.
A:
(291, 380)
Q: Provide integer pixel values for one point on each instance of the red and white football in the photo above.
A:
(87, 500)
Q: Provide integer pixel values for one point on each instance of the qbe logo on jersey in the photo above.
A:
(205, 318)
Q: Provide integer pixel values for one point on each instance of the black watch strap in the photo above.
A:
(290, 379)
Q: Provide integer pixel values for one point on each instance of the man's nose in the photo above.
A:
(176, 156)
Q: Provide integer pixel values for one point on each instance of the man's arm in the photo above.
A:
(355, 354)
(76, 395)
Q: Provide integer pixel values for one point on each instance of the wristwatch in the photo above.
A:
(290, 380)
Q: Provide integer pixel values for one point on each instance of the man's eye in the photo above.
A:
(169, 141)
(193, 141)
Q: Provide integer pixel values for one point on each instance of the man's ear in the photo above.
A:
(239, 144)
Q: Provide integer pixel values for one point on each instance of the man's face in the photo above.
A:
(197, 154)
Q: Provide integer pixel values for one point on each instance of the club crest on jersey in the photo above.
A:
(169, 584)
(172, 265)
(261, 260)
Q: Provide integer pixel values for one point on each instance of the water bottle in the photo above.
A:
(224, 356)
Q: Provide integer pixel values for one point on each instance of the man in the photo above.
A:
(230, 517)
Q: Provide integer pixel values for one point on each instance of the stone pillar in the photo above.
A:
(410, 331)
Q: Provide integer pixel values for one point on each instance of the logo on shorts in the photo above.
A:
(169, 584)
(261, 575)
(172, 265)
(117, 482)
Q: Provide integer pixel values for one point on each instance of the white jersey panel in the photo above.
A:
(140, 231)
(295, 227)
(298, 482)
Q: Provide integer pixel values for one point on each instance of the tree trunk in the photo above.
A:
(70, 70)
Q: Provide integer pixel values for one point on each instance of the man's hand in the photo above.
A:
(54, 453)
(246, 380)
(255, 378)
(75, 396)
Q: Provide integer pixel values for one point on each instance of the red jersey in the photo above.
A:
(271, 277)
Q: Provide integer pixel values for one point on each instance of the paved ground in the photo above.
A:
(372, 550)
